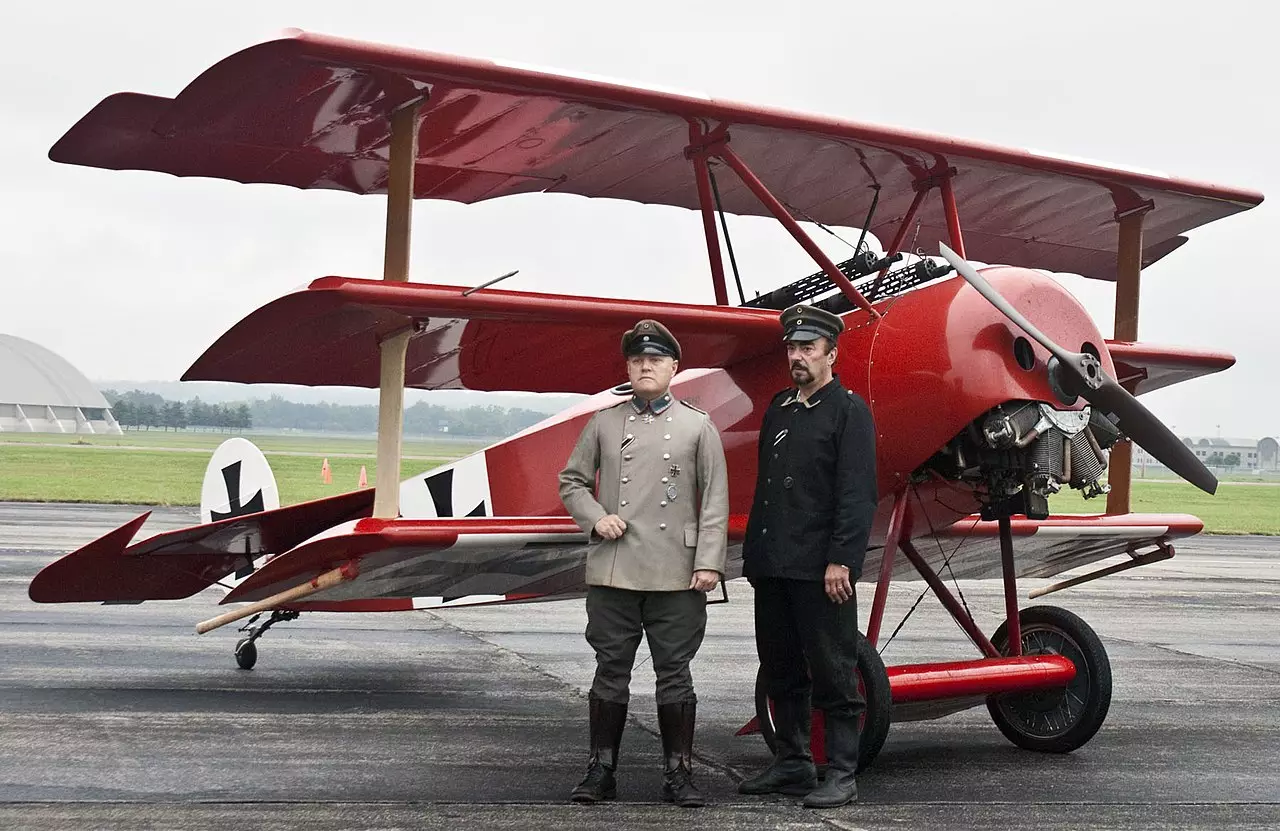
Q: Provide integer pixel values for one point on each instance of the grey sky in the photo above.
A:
(132, 275)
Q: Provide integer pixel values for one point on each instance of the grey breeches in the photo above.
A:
(674, 622)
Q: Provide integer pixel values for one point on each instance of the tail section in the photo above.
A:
(238, 481)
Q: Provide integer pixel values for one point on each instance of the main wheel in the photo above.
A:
(873, 683)
(1061, 719)
(246, 654)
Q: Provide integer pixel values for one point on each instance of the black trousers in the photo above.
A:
(674, 622)
(808, 645)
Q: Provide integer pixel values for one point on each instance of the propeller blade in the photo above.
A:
(1100, 389)
(1141, 425)
(973, 278)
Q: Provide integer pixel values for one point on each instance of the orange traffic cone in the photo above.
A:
(326, 475)
(364, 478)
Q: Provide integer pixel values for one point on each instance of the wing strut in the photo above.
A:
(1128, 272)
(395, 268)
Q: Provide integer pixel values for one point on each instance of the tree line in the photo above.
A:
(147, 411)
(144, 410)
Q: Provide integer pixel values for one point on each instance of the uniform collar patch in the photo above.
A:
(813, 400)
(655, 406)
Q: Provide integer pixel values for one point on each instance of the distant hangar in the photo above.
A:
(41, 392)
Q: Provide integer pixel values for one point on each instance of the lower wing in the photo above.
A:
(970, 548)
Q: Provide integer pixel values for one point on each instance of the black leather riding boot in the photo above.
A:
(792, 771)
(676, 722)
(839, 786)
(608, 719)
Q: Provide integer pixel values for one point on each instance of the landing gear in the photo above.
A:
(246, 654)
(246, 648)
(1061, 719)
(873, 683)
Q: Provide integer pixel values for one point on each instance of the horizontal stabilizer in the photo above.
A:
(178, 564)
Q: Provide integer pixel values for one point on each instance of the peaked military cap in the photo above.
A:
(806, 323)
(649, 337)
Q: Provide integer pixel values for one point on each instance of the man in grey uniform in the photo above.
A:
(658, 524)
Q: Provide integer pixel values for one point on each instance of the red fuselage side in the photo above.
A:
(938, 358)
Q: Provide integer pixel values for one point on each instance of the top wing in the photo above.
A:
(312, 111)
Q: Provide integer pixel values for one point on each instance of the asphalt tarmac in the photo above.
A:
(121, 716)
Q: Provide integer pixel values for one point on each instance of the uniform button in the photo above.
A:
(624, 503)
(664, 480)
(766, 503)
(667, 437)
(630, 436)
(663, 503)
(768, 481)
(764, 531)
(631, 418)
(626, 458)
(662, 526)
(775, 455)
(788, 482)
(625, 479)
(664, 455)
(668, 418)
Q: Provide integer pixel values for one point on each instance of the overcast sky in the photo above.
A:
(131, 275)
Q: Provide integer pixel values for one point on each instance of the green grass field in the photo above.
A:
(158, 468)
(1237, 508)
(167, 469)
(269, 443)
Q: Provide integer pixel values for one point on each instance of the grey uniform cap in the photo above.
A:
(649, 337)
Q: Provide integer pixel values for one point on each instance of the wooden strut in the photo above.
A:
(404, 154)
(328, 580)
(1128, 273)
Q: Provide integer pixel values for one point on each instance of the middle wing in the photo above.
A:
(328, 334)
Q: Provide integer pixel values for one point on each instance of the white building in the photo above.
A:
(40, 392)
(1253, 454)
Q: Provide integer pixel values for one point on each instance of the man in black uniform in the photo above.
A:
(806, 539)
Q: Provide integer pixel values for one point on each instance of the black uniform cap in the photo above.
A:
(649, 337)
(806, 323)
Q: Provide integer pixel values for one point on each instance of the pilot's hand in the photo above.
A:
(610, 527)
(704, 580)
(839, 589)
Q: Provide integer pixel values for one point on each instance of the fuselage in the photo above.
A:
(938, 358)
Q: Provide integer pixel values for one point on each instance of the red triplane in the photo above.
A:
(990, 391)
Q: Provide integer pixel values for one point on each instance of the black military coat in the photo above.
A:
(815, 488)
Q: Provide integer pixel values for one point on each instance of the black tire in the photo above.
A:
(1063, 719)
(246, 654)
(874, 684)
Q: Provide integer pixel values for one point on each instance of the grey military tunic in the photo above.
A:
(665, 476)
